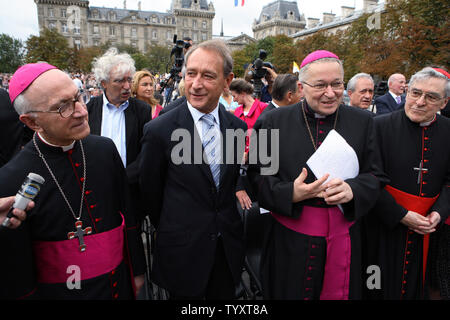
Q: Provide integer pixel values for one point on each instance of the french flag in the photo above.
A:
(236, 2)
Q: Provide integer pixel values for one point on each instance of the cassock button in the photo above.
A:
(88, 192)
(81, 179)
(422, 194)
(116, 296)
(77, 164)
(92, 206)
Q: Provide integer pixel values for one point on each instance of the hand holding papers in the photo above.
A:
(338, 159)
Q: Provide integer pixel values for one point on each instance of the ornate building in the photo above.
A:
(331, 23)
(85, 26)
(278, 17)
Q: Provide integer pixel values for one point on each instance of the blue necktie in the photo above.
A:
(399, 99)
(210, 141)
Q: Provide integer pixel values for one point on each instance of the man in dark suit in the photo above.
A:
(13, 133)
(286, 90)
(394, 98)
(118, 116)
(199, 246)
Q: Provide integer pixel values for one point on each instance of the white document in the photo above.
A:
(336, 157)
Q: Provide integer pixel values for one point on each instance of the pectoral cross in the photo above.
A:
(79, 233)
(420, 169)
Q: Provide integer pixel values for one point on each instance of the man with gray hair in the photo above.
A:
(190, 192)
(360, 90)
(286, 90)
(118, 116)
(414, 151)
(312, 248)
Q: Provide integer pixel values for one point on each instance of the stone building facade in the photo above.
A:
(331, 23)
(86, 26)
(278, 17)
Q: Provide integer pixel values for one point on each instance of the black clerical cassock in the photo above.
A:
(416, 159)
(38, 259)
(296, 263)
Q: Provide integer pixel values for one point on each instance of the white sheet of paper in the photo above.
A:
(336, 157)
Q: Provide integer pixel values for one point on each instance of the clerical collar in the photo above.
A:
(64, 148)
(426, 124)
(310, 112)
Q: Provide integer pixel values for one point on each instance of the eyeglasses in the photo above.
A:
(66, 109)
(122, 81)
(336, 85)
(430, 97)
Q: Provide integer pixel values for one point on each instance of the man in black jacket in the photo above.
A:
(118, 116)
(199, 246)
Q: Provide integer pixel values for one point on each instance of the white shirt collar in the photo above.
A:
(394, 95)
(109, 105)
(275, 105)
(196, 114)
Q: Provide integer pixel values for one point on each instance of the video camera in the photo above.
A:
(174, 77)
(257, 72)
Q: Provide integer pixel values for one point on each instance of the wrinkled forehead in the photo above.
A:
(364, 83)
(430, 84)
(322, 70)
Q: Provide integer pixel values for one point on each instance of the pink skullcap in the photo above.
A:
(316, 55)
(24, 76)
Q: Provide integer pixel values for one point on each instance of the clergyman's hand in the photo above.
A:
(337, 192)
(303, 191)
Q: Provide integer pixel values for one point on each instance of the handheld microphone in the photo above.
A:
(28, 191)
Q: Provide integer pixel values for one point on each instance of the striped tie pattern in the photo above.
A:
(210, 141)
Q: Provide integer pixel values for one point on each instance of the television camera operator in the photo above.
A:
(258, 70)
(171, 82)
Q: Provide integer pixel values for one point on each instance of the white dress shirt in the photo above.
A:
(113, 126)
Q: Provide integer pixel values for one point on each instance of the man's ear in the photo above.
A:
(229, 79)
(30, 121)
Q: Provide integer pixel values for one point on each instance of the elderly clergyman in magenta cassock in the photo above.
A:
(313, 245)
(80, 241)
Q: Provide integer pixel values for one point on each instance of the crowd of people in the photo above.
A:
(113, 153)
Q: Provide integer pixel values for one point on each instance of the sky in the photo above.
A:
(18, 18)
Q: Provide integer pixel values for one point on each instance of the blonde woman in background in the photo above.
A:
(143, 88)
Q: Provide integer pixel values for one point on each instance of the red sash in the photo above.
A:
(104, 252)
(421, 205)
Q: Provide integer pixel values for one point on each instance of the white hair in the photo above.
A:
(351, 85)
(102, 66)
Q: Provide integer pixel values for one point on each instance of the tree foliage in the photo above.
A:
(412, 35)
(50, 47)
(11, 53)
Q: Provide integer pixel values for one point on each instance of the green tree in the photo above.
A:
(11, 53)
(51, 47)
(159, 59)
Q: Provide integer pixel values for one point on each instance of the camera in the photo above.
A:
(256, 72)
(174, 78)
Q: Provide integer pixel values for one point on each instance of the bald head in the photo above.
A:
(397, 84)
